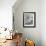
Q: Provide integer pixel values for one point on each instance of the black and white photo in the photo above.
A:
(29, 19)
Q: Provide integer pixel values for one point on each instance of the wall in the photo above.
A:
(6, 13)
(43, 22)
(29, 33)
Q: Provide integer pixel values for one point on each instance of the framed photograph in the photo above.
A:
(29, 19)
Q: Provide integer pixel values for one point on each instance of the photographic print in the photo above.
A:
(29, 19)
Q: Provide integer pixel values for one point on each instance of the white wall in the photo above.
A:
(30, 33)
(6, 13)
(43, 22)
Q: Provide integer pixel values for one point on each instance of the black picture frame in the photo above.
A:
(29, 19)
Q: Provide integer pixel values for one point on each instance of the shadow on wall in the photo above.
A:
(36, 40)
(28, 6)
